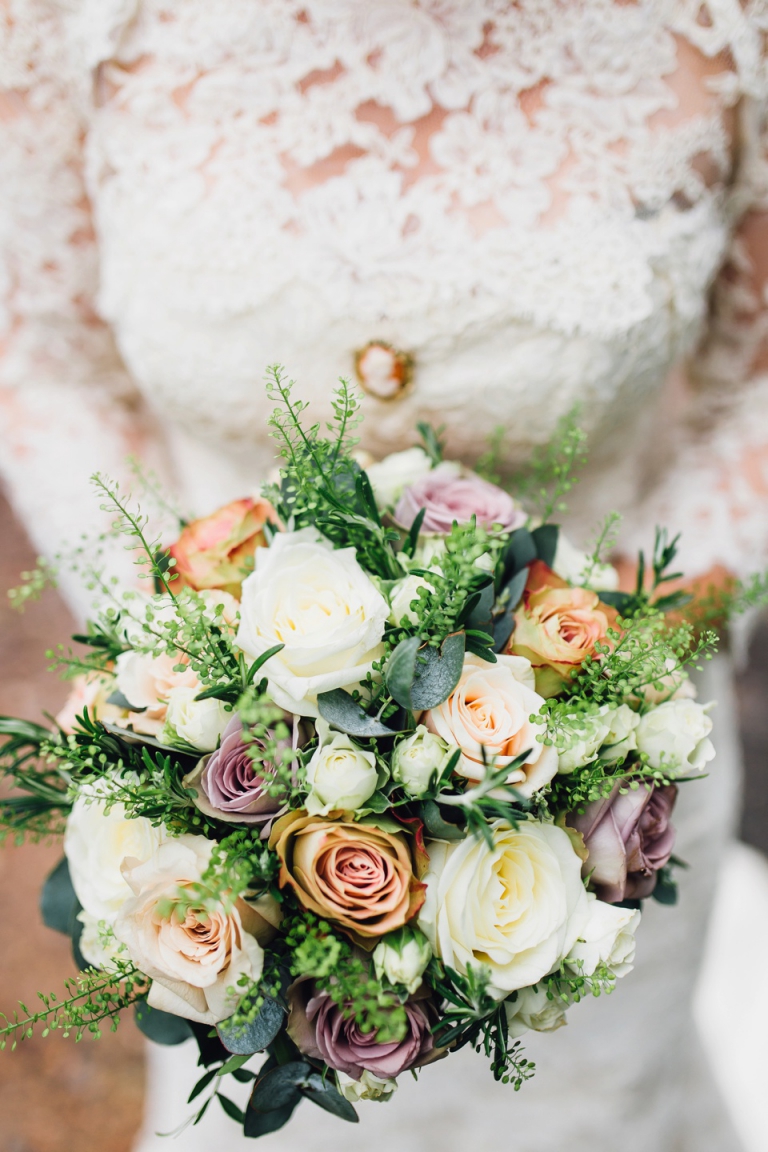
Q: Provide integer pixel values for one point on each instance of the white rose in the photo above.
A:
(196, 722)
(517, 908)
(340, 774)
(146, 681)
(96, 844)
(534, 1011)
(97, 946)
(609, 733)
(401, 958)
(675, 685)
(491, 708)
(417, 759)
(675, 736)
(573, 565)
(608, 937)
(621, 737)
(402, 596)
(321, 605)
(195, 956)
(368, 1087)
(394, 473)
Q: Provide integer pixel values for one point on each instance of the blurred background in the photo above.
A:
(56, 1096)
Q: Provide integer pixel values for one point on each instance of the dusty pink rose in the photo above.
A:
(320, 1028)
(628, 836)
(214, 552)
(449, 496)
(230, 786)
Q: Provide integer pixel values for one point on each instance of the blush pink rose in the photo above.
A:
(323, 1030)
(448, 496)
(217, 551)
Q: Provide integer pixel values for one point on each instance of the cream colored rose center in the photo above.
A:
(306, 609)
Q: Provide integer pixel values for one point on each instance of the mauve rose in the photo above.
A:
(229, 787)
(448, 496)
(320, 1029)
(629, 837)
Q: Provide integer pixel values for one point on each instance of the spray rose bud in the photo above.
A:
(401, 958)
(417, 759)
(533, 1010)
(675, 736)
(368, 1087)
(340, 775)
(196, 722)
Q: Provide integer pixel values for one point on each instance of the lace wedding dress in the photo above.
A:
(492, 210)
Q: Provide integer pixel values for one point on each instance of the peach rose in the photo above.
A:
(147, 683)
(557, 627)
(491, 708)
(356, 875)
(88, 691)
(217, 551)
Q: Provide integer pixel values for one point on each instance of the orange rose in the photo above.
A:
(356, 875)
(557, 627)
(217, 551)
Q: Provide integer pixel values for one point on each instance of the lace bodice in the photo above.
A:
(532, 199)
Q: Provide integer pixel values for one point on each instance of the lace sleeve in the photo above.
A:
(67, 407)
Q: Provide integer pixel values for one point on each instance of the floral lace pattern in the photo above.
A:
(520, 195)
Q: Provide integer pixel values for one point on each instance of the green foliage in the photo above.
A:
(473, 1016)
(91, 999)
(33, 584)
(40, 809)
(552, 471)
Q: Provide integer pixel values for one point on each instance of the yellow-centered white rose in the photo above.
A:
(517, 908)
(491, 709)
(319, 603)
(195, 956)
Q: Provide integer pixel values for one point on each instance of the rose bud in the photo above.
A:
(401, 958)
(217, 551)
(557, 627)
(450, 495)
(233, 787)
(323, 1030)
(340, 774)
(628, 837)
(417, 759)
(368, 1087)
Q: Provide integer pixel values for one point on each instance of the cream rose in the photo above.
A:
(675, 736)
(368, 1087)
(403, 596)
(417, 759)
(491, 708)
(534, 1011)
(517, 908)
(320, 604)
(146, 682)
(608, 937)
(196, 722)
(96, 844)
(194, 956)
(610, 732)
(402, 957)
(391, 475)
(340, 774)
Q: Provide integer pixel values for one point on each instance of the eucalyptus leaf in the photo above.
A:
(120, 701)
(128, 736)
(322, 1093)
(520, 551)
(261, 1123)
(280, 1087)
(59, 905)
(480, 616)
(621, 601)
(438, 671)
(436, 826)
(253, 1037)
(545, 538)
(515, 587)
(503, 627)
(401, 670)
(162, 1027)
(340, 710)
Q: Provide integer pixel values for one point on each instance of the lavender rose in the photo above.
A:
(449, 495)
(231, 787)
(628, 837)
(319, 1029)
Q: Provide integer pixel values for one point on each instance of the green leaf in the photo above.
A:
(340, 710)
(253, 1037)
(438, 671)
(413, 535)
(621, 601)
(261, 1123)
(515, 587)
(120, 701)
(438, 828)
(280, 1087)
(325, 1095)
(202, 1084)
(231, 1108)
(260, 661)
(162, 1027)
(520, 551)
(480, 615)
(545, 539)
(23, 730)
(59, 905)
(400, 671)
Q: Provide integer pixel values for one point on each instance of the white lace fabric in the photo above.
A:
(533, 199)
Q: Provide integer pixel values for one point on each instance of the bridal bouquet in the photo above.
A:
(379, 766)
